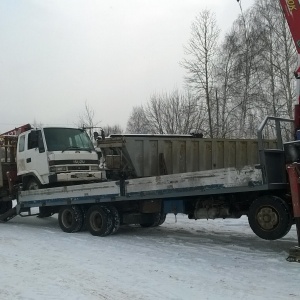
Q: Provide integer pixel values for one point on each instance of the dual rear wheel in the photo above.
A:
(100, 220)
(158, 219)
(71, 218)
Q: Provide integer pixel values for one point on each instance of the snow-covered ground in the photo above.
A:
(220, 259)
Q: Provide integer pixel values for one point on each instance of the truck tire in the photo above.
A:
(159, 219)
(99, 220)
(270, 217)
(115, 218)
(70, 218)
(162, 219)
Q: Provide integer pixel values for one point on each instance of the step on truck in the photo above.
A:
(259, 189)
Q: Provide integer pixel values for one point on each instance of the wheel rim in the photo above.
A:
(67, 218)
(96, 221)
(267, 218)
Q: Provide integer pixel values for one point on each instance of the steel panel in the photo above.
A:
(183, 154)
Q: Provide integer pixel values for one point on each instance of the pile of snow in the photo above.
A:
(220, 259)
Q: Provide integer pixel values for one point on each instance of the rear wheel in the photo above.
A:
(270, 217)
(115, 219)
(158, 219)
(162, 219)
(99, 220)
(70, 218)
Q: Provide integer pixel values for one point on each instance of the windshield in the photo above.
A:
(62, 139)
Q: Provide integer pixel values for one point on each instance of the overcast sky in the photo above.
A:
(55, 55)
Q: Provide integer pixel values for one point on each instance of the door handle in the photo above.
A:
(28, 160)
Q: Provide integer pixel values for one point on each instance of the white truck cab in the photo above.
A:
(55, 155)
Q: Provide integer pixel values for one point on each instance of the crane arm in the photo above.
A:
(291, 9)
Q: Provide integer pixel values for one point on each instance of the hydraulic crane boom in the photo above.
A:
(291, 9)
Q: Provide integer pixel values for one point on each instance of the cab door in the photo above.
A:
(33, 160)
(21, 168)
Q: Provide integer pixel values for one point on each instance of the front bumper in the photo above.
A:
(78, 176)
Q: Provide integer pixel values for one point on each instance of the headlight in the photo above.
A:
(95, 168)
(58, 169)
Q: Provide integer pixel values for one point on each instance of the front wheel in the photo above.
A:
(270, 217)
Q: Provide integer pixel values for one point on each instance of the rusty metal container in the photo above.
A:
(154, 155)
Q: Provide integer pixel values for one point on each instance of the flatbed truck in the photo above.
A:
(262, 192)
(269, 194)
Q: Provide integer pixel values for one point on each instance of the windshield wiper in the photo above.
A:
(76, 148)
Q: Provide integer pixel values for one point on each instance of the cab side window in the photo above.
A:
(32, 140)
(22, 143)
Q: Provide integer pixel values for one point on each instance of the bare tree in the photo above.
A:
(154, 114)
(87, 120)
(247, 61)
(232, 86)
(138, 122)
(201, 53)
(171, 113)
(225, 110)
(114, 129)
(279, 56)
(257, 59)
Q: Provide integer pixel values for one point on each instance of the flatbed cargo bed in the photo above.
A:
(221, 181)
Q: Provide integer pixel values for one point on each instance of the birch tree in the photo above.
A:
(137, 122)
(200, 60)
(168, 113)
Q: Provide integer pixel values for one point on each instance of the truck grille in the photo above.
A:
(78, 168)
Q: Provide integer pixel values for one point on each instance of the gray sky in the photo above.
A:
(55, 55)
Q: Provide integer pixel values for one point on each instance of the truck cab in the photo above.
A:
(52, 156)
